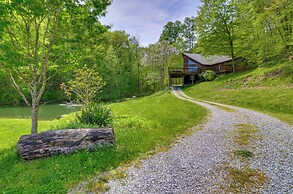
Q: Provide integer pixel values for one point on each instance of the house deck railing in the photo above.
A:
(183, 70)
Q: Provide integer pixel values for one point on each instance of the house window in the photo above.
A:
(192, 68)
(190, 62)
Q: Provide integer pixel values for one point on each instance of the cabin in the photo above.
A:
(195, 64)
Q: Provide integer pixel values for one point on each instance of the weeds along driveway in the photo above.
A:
(238, 150)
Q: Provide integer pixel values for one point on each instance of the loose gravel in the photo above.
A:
(195, 163)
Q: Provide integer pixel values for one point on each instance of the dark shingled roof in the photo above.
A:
(211, 60)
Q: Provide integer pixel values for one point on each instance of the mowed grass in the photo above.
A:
(141, 126)
(267, 89)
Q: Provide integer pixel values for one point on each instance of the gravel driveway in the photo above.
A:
(205, 162)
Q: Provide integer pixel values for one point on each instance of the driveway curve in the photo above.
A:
(237, 151)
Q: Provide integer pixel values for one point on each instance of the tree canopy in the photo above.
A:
(35, 35)
(257, 30)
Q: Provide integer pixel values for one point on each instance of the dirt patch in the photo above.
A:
(272, 74)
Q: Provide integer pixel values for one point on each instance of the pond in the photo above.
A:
(46, 112)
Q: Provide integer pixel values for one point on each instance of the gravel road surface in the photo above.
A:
(205, 162)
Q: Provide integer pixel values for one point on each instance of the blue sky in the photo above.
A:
(145, 18)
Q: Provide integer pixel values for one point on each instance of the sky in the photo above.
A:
(145, 19)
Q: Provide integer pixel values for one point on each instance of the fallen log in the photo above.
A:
(66, 141)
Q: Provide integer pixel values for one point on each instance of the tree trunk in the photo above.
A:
(35, 113)
(232, 54)
(138, 78)
(231, 47)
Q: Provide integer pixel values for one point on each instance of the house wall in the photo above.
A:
(190, 62)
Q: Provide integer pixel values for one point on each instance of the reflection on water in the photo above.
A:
(46, 112)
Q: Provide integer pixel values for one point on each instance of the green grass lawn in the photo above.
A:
(141, 125)
(266, 89)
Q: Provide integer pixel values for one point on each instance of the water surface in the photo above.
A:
(47, 112)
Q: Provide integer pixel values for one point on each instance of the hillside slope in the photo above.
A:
(267, 89)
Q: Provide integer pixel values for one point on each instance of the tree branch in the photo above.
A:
(16, 87)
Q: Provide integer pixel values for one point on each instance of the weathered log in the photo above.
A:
(66, 141)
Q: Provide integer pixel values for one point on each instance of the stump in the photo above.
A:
(66, 141)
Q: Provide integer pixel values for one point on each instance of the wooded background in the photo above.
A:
(258, 30)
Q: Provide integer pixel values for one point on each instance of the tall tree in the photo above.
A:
(35, 37)
(216, 27)
(120, 66)
(156, 61)
(182, 35)
(189, 34)
(171, 32)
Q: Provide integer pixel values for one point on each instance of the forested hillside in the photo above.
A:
(259, 31)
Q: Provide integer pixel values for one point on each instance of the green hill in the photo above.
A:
(267, 89)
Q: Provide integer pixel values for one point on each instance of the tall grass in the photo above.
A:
(140, 125)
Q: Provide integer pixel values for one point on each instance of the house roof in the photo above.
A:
(211, 60)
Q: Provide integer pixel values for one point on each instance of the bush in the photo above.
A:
(201, 77)
(209, 75)
(96, 114)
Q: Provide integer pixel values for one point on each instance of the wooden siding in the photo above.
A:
(187, 70)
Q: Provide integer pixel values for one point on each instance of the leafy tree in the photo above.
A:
(171, 32)
(156, 61)
(180, 35)
(189, 34)
(216, 27)
(35, 36)
(85, 85)
(120, 68)
(137, 54)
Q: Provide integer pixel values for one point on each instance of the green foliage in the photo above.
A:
(86, 84)
(180, 35)
(209, 75)
(258, 30)
(265, 30)
(121, 67)
(7, 92)
(171, 32)
(95, 114)
(74, 125)
(200, 77)
(36, 36)
(156, 61)
(215, 27)
(138, 130)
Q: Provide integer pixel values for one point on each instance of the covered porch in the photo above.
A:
(183, 76)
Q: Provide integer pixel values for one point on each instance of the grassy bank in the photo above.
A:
(141, 125)
(267, 89)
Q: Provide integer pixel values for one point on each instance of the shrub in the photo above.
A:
(201, 77)
(209, 75)
(96, 114)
